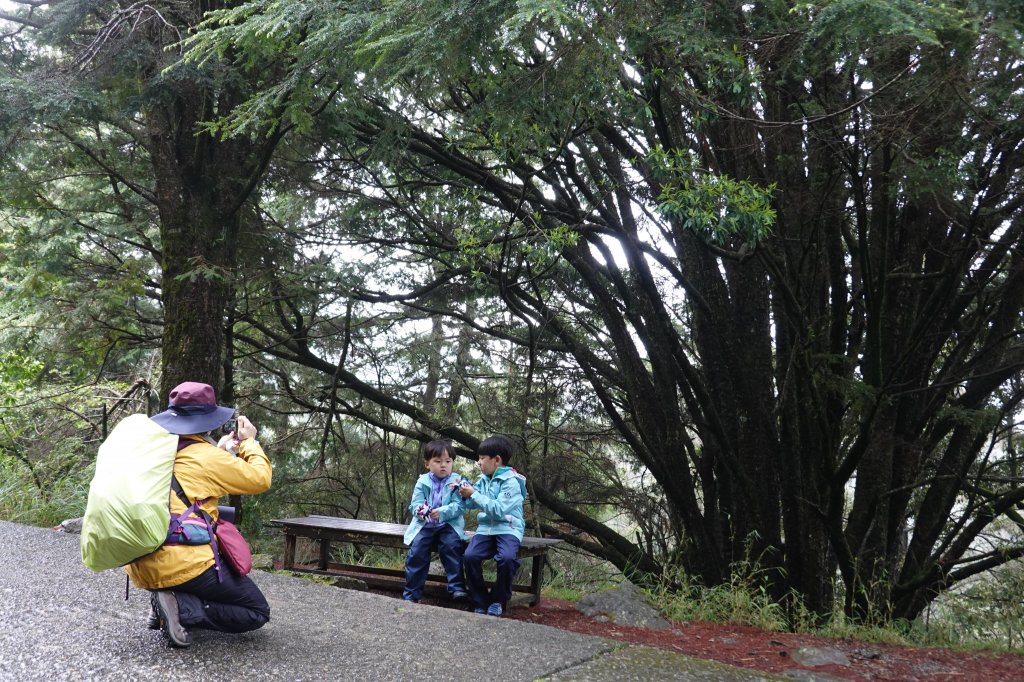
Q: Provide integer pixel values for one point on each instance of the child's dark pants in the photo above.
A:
(504, 549)
(446, 542)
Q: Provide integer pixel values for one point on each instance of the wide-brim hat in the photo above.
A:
(192, 408)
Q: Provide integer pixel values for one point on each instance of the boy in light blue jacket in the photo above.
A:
(438, 524)
(499, 495)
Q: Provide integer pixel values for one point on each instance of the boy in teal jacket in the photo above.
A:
(499, 495)
(437, 524)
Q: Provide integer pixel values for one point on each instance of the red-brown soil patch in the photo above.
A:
(772, 652)
(749, 647)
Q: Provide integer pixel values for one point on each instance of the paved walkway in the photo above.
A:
(61, 621)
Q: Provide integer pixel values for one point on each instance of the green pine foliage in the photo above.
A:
(742, 279)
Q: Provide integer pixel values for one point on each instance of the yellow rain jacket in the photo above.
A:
(203, 470)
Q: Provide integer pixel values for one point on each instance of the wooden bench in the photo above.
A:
(326, 529)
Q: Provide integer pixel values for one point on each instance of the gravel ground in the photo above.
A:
(61, 621)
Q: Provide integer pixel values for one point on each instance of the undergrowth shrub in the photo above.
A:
(987, 611)
(742, 601)
(22, 501)
(988, 614)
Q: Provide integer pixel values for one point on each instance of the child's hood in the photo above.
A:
(505, 473)
(453, 480)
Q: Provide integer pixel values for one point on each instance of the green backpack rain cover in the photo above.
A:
(127, 513)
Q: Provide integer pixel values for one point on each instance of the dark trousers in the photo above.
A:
(235, 605)
(504, 549)
(446, 542)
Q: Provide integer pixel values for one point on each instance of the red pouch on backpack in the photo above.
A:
(234, 548)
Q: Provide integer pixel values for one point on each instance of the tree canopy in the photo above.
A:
(108, 153)
(745, 279)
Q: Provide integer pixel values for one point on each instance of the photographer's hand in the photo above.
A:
(245, 429)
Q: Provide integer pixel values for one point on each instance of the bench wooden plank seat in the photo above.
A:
(327, 529)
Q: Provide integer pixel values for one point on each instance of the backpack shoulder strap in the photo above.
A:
(180, 492)
(210, 523)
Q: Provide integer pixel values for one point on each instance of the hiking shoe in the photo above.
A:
(167, 607)
(460, 595)
(494, 610)
(154, 617)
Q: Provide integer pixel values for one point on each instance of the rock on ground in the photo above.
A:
(624, 605)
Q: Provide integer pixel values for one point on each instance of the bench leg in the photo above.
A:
(289, 552)
(325, 553)
(535, 578)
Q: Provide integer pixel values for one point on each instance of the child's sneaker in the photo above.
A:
(460, 595)
(479, 610)
(494, 610)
